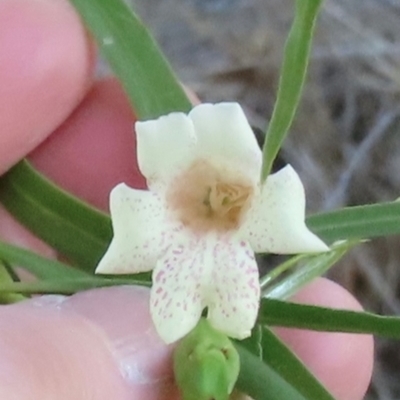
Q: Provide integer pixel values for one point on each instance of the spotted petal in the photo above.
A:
(176, 296)
(233, 304)
(139, 232)
(165, 146)
(276, 221)
(224, 134)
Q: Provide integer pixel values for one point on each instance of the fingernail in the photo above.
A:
(123, 314)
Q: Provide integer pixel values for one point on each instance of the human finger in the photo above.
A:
(120, 319)
(46, 61)
(343, 362)
(96, 345)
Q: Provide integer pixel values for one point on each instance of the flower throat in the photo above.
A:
(207, 198)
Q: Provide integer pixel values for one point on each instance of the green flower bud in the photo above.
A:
(206, 364)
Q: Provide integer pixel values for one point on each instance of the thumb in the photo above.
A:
(98, 345)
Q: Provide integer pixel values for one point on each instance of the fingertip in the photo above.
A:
(46, 64)
(326, 293)
(343, 362)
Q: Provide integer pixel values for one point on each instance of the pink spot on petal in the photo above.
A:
(159, 275)
(178, 250)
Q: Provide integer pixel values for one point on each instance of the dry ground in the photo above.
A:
(345, 142)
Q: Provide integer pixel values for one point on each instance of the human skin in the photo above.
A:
(101, 344)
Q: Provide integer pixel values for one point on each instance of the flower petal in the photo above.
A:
(224, 134)
(275, 223)
(165, 146)
(176, 295)
(233, 307)
(139, 232)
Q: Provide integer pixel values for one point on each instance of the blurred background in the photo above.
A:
(345, 142)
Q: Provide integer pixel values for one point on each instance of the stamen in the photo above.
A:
(209, 198)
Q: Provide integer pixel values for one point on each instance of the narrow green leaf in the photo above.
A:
(66, 286)
(307, 269)
(285, 364)
(293, 73)
(41, 267)
(134, 57)
(279, 313)
(260, 381)
(365, 221)
(273, 275)
(72, 227)
(289, 367)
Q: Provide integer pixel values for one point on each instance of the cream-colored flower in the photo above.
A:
(202, 219)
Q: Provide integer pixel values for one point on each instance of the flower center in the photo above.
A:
(207, 198)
